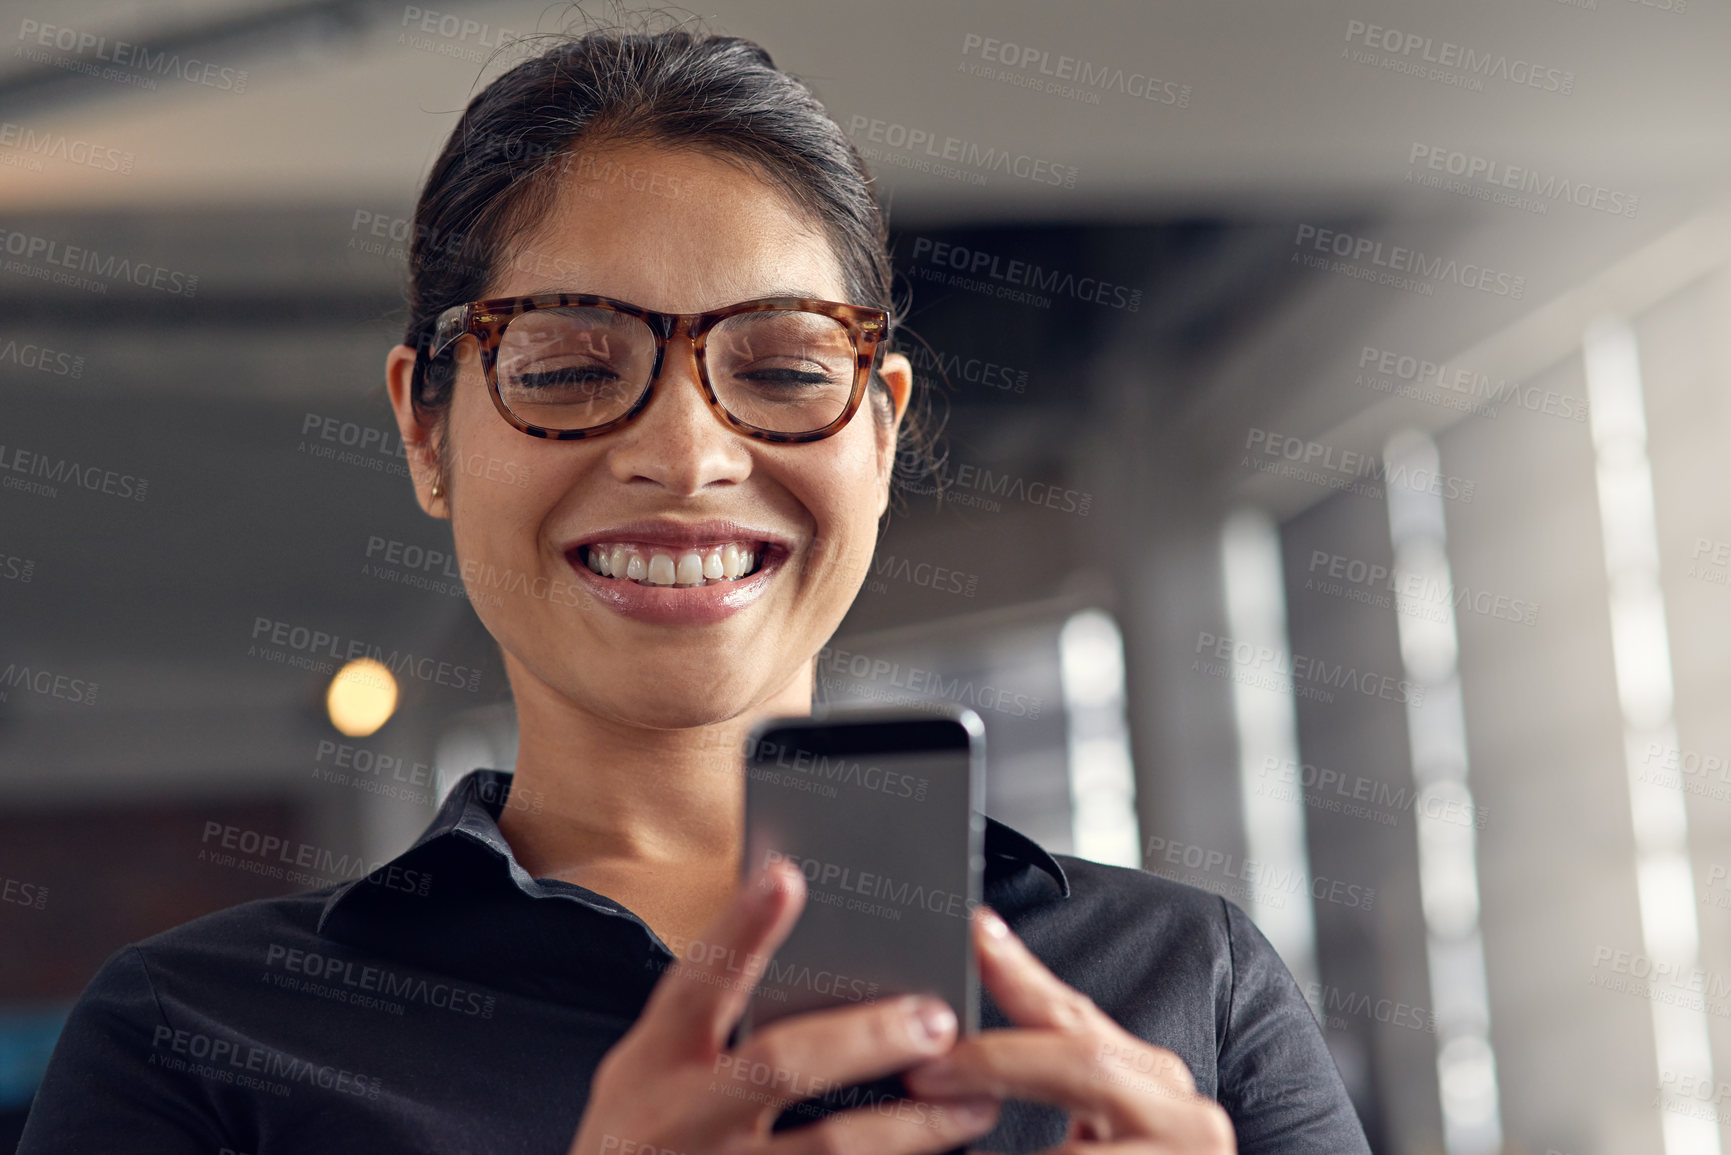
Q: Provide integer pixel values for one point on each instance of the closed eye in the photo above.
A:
(786, 377)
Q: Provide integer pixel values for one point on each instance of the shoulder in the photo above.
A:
(236, 933)
(1184, 938)
(1113, 889)
(200, 978)
(1181, 927)
(121, 1063)
(191, 960)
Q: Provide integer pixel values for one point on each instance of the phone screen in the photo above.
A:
(883, 818)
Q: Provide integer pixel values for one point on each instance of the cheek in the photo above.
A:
(503, 483)
(846, 505)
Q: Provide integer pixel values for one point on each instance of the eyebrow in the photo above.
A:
(773, 291)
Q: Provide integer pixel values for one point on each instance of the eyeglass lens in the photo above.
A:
(788, 371)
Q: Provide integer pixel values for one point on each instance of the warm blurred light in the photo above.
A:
(1448, 873)
(1267, 728)
(362, 697)
(1616, 406)
(1102, 780)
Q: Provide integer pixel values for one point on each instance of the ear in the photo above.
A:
(898, 373)
(417, 437)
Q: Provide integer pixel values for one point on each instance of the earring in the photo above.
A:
(437, 489)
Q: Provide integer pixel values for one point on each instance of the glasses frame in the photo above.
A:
(485, 320)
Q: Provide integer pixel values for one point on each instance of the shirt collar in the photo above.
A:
(470, 813)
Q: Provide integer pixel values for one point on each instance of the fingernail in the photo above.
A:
(934, 1020)
(996, 927)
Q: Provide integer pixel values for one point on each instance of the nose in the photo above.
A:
(677, 441)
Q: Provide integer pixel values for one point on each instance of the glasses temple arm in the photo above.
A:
(447, 327)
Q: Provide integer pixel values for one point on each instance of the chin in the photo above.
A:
(662, 704)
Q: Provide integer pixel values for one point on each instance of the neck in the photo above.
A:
(614, 795)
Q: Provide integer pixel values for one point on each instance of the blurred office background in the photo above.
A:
(1335, 513)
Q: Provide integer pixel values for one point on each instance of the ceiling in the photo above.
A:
(351, 98)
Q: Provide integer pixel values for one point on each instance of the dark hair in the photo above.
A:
(722, 95)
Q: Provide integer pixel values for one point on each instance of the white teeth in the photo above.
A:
(661, 567)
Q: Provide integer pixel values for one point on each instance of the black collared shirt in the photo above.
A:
(449, 1002)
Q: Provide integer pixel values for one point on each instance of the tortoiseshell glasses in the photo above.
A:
(567, 366)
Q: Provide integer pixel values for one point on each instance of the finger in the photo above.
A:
(1029, 994)
(1067, 1070)
(1103, 1147)
(1204, 1129)
(899, 1127)
(693, 1008)
(807, 1055)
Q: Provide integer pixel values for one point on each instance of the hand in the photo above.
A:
(1123, 1095)
(671, 1086)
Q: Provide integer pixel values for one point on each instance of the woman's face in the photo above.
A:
(679, 232)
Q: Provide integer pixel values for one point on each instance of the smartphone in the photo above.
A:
(882, 810)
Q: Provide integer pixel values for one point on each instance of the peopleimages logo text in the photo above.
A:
(1027, 274)
(65, 471)
(901, 892)
(1448, 55)
(1549, 186)
(1141, 85)
(113, 268)
(318, 644)
(162, 62)
(1282, 665)
(1470, 383)
(1400, 259)
(43, 144)
(987, 159)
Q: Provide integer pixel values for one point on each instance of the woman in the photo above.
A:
(555, 964)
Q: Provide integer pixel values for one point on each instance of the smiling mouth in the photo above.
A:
(649, 565)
